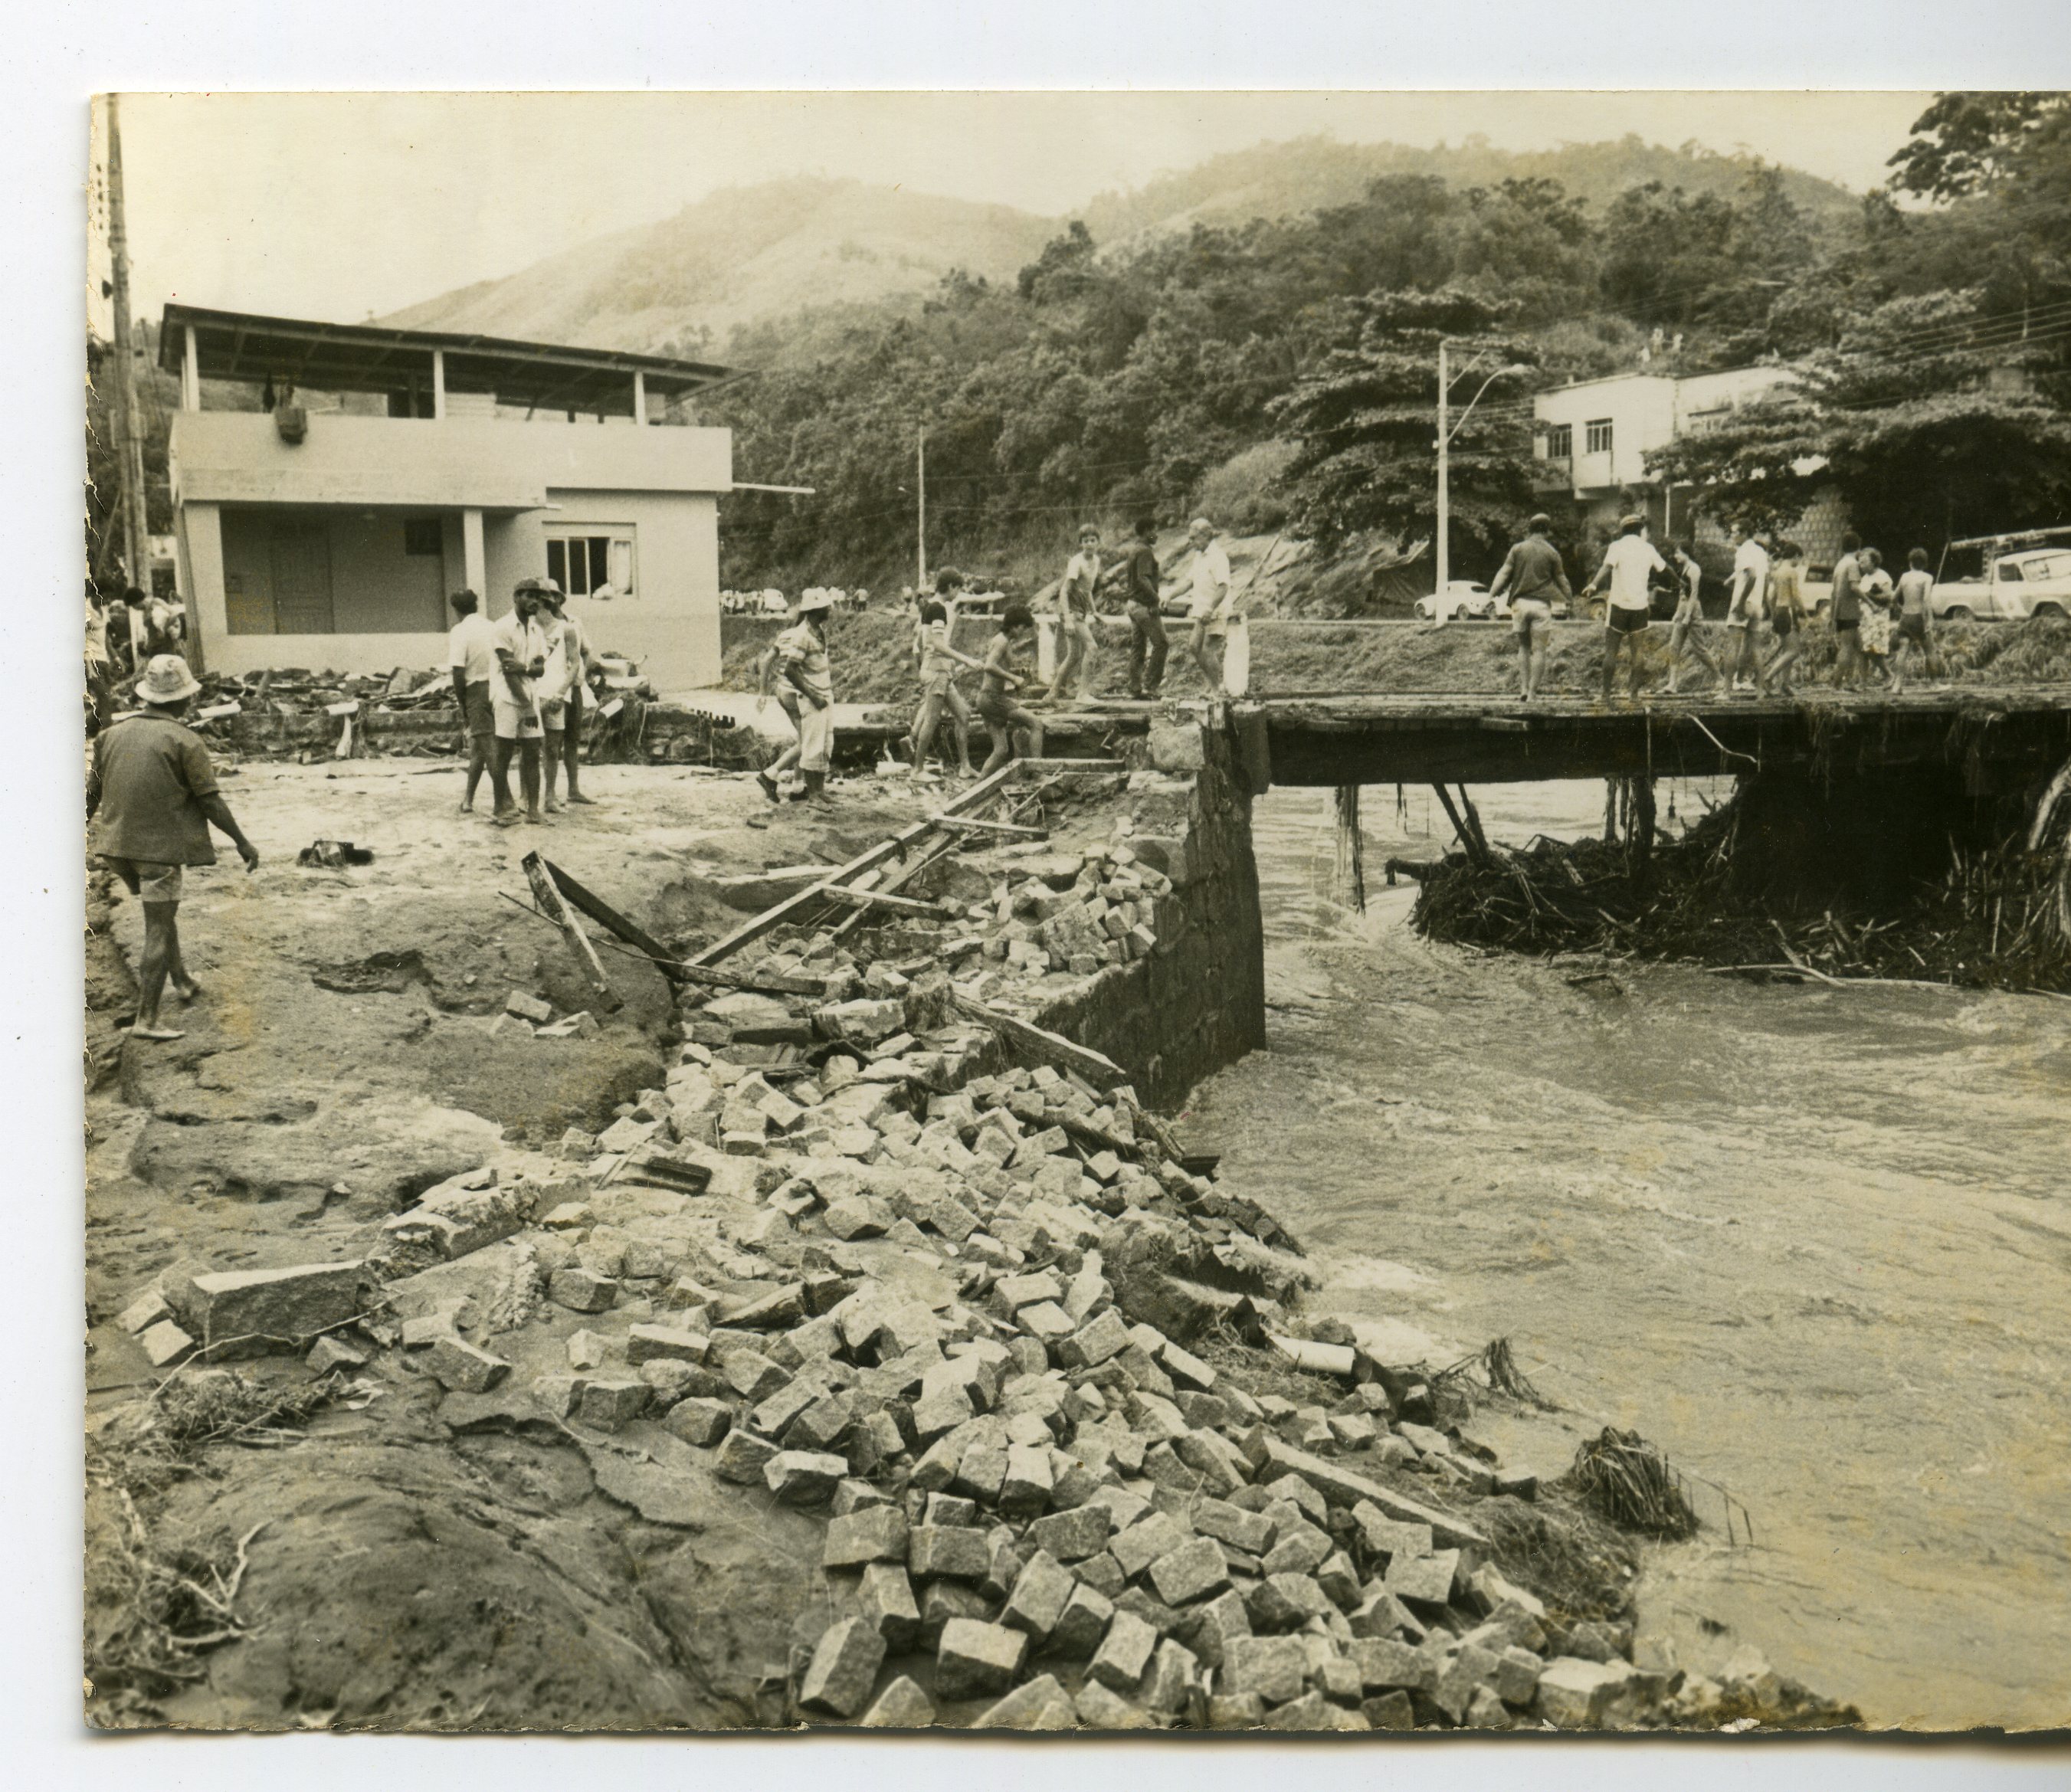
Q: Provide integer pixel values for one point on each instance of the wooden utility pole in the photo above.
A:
(1444, 531)
(128, 436)
(920, 532)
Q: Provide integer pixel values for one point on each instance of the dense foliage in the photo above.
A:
(1285, 370)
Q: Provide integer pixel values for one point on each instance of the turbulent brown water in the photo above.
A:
(1815, 1243)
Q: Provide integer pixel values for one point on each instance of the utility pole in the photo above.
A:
(1444, 541)
(128, 441)
(920, 532)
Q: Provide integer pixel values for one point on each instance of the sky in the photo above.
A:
(340, 206)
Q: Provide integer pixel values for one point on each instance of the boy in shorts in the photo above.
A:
(1686, 634)
(939, 661)
(1916, 621)
(1786, 607)
(1007, 672)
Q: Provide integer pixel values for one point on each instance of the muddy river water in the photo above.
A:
(1815, 1243)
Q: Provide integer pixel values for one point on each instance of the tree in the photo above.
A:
(1927, 433)
(1965, 144)
(1364, 423)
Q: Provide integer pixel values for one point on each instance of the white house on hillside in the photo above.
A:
(1591, 439)
(389, 468)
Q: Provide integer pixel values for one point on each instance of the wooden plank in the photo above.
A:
(973, 824)
(1068, 764)
(1042, 1045)
(794, 907)
(548, 895)
(666, 961)
(884, 898)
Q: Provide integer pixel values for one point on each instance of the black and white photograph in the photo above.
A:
(1075, 911)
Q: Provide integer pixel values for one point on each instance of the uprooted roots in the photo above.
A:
(153, 1612)
(1996, 919)
(1622, 1476)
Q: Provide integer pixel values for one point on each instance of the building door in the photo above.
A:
(302, 577)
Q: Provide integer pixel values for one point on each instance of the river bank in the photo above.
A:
(1811, 1240)
(569, 1495)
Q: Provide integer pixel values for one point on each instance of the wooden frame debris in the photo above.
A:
(547, 893)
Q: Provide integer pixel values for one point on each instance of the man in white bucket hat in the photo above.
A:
(150, 799)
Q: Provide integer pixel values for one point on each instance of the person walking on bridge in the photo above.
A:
(1847, 611)
(1628, 562)
(1147, 646)
(1787, 612)
(1686, 634)
(1008, 674)
(1209, 610)
(150, 798)
(1916, 621)
(1744, 607)
(1533, 575)
(1078, 647)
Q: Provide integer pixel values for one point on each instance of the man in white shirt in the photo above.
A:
(521, 661)
(561, 694)
(471, 658)
(1209, 607)
(1630, 562)
(1744, 608)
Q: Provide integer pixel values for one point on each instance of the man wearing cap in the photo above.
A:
(802, 664)
(1630, 562)
(471, 659)
(151, 796)
(561, 693)
(1209, 608)
(521, 661)
(1533, 575)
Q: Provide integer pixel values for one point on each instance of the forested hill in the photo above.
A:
(748, 253)
(1274, 180)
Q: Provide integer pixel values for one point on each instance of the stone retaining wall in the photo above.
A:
(1197, 1001)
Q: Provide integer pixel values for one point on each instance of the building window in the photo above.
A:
(582, 564)
(423, 534)
(1597, 435)
(1560, 441)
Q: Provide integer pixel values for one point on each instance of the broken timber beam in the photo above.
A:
(1042, 1045)
(665, 960)
(883, 899)
(974, 824)
(794, 907)
(547, 893)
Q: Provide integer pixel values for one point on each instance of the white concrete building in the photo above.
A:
(320, 533)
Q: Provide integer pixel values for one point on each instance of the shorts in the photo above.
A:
(1846, 625)
(999, 708)
(939, 684)
(1527, 614)
(1688, 614)
(554, 716)
(1913, 628)
(816, 737)
(1621, 620)
(513, 724)
(1784, 622)
(478, 712)
(147, 878)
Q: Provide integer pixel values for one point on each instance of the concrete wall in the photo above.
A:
(660, 484)
(1197, 1001)
(486, 463)
(670, 624)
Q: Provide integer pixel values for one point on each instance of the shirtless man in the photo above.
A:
(1686, 634)
(939, 661)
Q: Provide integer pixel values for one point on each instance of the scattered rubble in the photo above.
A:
(1080, 1457)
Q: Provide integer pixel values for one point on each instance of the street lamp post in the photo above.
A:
(1446, 435)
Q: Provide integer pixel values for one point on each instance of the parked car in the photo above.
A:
(2036, 583)
(1462, 599)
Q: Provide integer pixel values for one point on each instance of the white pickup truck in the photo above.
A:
(2031, 581)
